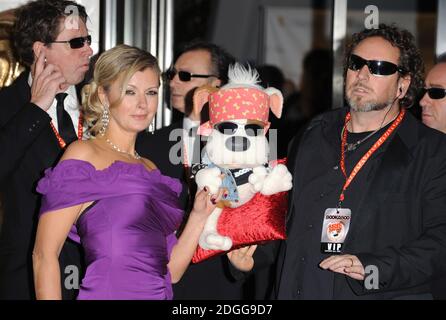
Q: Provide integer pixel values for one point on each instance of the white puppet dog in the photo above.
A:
(236, 153)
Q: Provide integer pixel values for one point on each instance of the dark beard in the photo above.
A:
(368, 106)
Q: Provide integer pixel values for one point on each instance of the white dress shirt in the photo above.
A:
(189, 141)
(71, 106)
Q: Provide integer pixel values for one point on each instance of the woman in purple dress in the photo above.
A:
(102, 194)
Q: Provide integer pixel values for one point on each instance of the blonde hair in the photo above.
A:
(117, 64)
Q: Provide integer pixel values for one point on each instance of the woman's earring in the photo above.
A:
(105, 118)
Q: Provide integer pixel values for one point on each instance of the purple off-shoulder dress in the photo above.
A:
(127, 234)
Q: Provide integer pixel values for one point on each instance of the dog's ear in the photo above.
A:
(201, 97)
(275, 101)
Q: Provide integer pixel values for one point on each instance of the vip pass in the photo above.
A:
(335, 229)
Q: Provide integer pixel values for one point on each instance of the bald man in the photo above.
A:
(433, 102)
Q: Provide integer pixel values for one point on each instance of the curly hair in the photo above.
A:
(40, 21)
(116, 64)
(410, 59)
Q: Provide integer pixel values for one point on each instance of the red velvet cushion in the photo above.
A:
(260, 220)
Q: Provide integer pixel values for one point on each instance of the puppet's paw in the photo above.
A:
(210, 177)
(257, 178)
(214, 241)
(278, 180)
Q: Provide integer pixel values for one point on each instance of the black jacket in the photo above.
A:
(400, 221)
(28, 146)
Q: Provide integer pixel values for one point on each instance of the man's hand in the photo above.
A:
(47, 82)
(242, 258)
(346, 264)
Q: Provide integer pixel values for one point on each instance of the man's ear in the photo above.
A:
(38, 47)
(404, 84)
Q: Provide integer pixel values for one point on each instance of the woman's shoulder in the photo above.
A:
(80, 150)
(77, 163)
(149, 164)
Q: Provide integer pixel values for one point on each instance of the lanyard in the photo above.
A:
(367, 155)
(80, 132)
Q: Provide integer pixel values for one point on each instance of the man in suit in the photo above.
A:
(433, 104)
(174, 148)
(198, 64)
(367, 217)
(39, 116)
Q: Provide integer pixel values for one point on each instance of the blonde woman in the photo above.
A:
(102, 194)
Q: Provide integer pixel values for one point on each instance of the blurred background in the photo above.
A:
(297, 45)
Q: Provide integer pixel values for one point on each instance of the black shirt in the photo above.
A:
(314, 282)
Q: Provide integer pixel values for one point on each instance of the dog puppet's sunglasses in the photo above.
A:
(230, 128)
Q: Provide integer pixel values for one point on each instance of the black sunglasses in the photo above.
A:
(229, 128)
(76, 43)
(376, 67)
(184, 75)
(434, 93)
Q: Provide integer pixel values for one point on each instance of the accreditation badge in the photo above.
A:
(334, 229)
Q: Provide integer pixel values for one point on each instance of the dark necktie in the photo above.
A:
(195, 156)
(64, 122)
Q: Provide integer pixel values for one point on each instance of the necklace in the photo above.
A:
(115, 147)
(352, 146)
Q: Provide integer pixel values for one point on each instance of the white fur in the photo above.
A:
(210, 239)
(278, 180)
(210, 178)
(267, 183)
(241, 77)
(261, 180)
(256, 154)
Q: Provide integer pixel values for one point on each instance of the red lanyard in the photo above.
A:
(368, 154)
(80, 132)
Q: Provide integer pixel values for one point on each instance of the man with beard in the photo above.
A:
(367, 216)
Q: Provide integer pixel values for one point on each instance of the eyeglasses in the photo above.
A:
(230, 128)
(184, 75)
(376, 67)
(434, 93)
(76, 43)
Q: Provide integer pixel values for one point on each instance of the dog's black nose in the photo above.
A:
(237, 144)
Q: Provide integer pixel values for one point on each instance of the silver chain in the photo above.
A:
(354, 145)
(115, 147)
